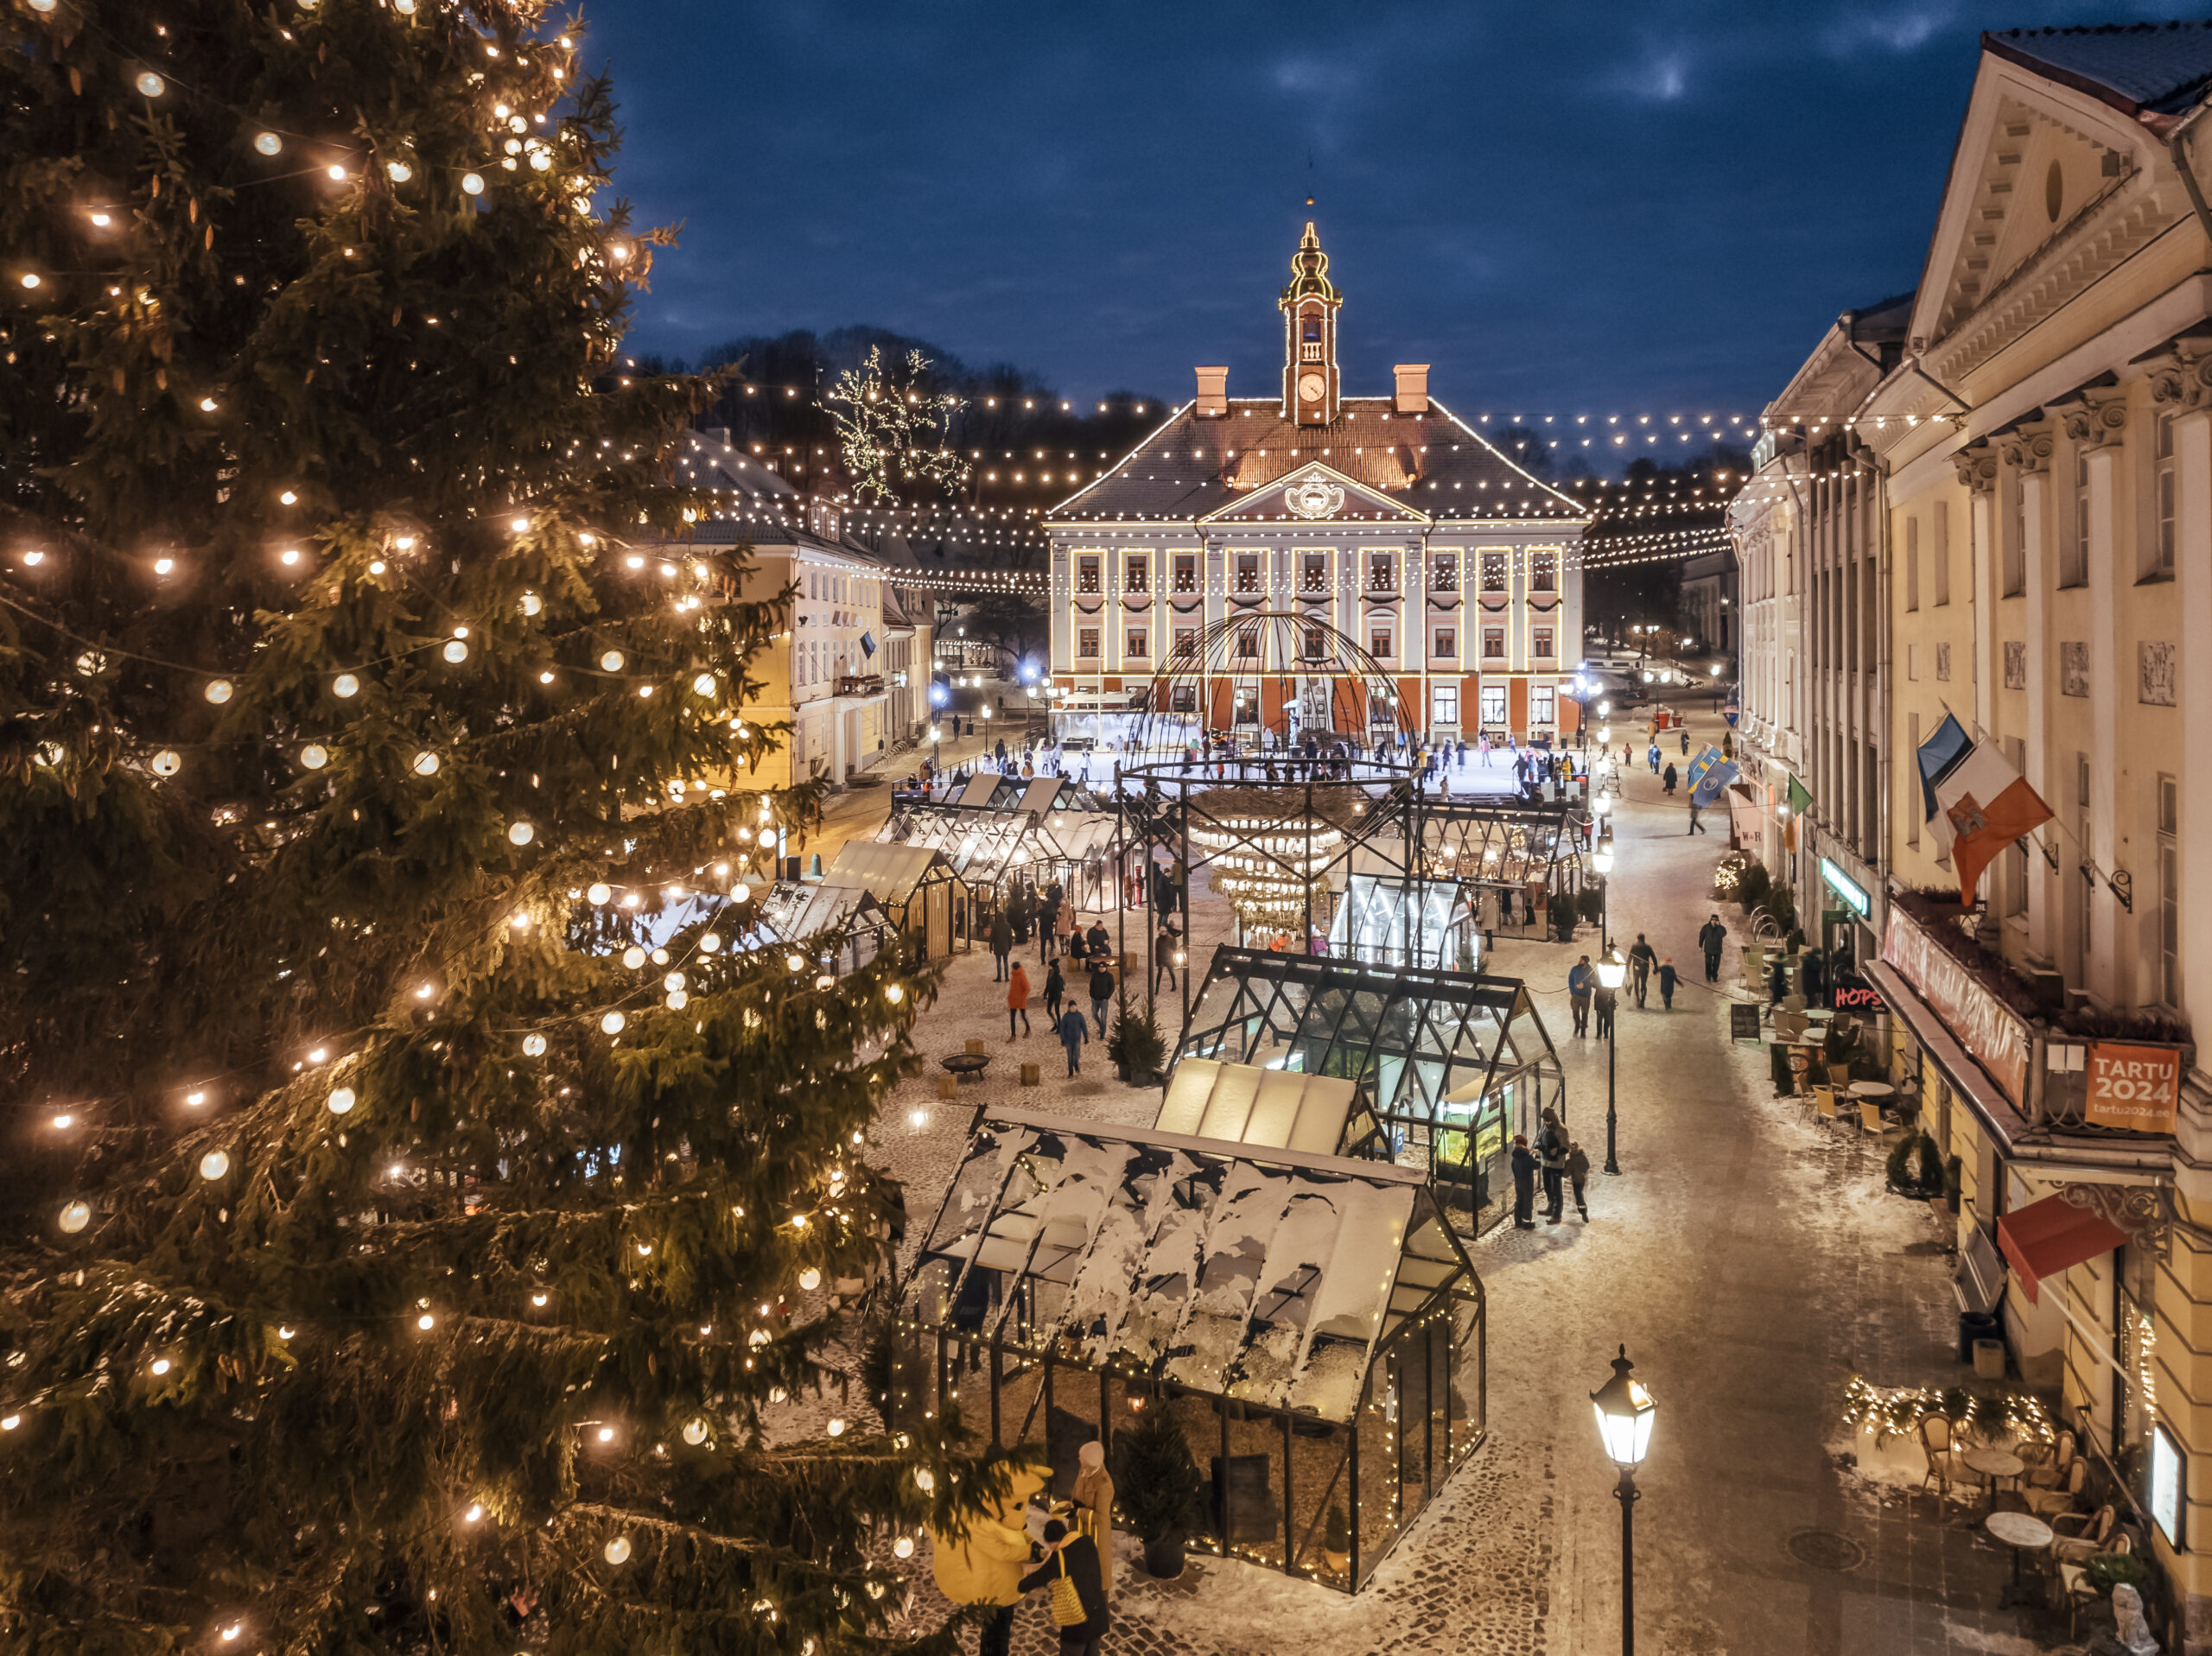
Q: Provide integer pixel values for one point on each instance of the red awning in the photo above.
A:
(2048, 1236)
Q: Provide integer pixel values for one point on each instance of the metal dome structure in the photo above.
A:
(1269, 679)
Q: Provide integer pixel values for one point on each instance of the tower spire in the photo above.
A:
(1310, 388)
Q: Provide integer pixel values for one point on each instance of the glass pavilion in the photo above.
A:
(1311, 1322)
(1452, 1063)
(997, 830)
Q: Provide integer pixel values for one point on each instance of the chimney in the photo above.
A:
(1413, 387)
(1213, 392)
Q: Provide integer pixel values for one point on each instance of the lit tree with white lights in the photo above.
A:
(893, 428)
(415, 1187)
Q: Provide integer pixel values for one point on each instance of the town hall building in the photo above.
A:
(1455, 573)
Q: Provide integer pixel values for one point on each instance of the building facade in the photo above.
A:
(1386, 517)
(1813, 695)
(1710, 602)
(848, 672)
(2018, 513)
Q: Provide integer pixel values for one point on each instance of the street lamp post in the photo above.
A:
(1611, 969)
(1626, 1411)
(1601, 861)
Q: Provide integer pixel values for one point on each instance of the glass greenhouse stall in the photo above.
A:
(1452, 1063)
(1311, 1323)
(998, 829)
(1521, 862)
(1389, 918)
(917, 890)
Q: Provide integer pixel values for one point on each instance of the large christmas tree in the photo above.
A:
(416, 1186)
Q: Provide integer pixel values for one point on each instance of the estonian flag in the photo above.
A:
(1974, 799)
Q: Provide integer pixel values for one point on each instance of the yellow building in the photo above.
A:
(2041, 459)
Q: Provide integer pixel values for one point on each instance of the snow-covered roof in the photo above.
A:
(990, 842)
(1264, 1274)
(1250, 1105)
(886, 873)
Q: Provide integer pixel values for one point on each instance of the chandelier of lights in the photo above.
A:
(1271, 864)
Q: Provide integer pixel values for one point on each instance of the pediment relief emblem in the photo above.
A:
(1313, 497)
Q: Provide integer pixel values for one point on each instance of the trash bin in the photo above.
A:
(1976, 1325)
(1989, 1360)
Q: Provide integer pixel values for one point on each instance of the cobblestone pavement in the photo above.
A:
(1751, 1261)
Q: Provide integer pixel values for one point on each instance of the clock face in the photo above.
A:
(1310, 386)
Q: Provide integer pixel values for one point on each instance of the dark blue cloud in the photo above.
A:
(1566, 208)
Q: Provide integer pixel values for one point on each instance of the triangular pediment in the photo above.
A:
(1315, 493)
(2037, 163)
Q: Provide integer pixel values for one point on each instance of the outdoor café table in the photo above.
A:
(1874, 1089)
(2023, 1534)
(1994, 1464)
(967, 1067)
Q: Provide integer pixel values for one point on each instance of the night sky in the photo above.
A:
(1565, 208)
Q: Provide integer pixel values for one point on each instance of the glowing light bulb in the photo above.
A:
(538, 1300)
(426, 763)
(475, 1510)
(74, 1216)
(704, 684)
(634, 956)
(455, 651)
(673, 980)
(345, 685)
(902, 1547)
(617, 1550)
(521, 833)
(167, 762)
(613, 1022)
(533, 1046)
(606, 1434)
(695, 1433)
(341, 1100)
(426, 1321)
(809, 1279)
(472, 183)
(678, 999)
(520, 525)
(10, 1422)
(532, 604)
(336, 174)
(269, 143)
(895, 992)
(219, 690)
(161, 1366)
(400, 171)
(65, 1122)
(710, 942)
(206, 405)
(797, 963)
(837, 1428)
(164, 566)
(214, 1164)
(598, 892)
(611, 662)
(314, 756)
(741, 892)
(150, 85)
(196, 1099)
(288, 498)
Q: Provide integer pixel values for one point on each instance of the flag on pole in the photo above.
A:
(1975, 801)
(1800, 800)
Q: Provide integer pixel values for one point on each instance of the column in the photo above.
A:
(2193, 594)
(2044, 910)
(2110, 974)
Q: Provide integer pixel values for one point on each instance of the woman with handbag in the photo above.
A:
(1076, 1600)
(1093, 1500)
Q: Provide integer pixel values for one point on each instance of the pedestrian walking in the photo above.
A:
(1667, 778)
(1056, 992)
(1551, 1155)
(1653, 756)
(1640, 958)
(1668, 978)
(1710, 937)
(1695, 826)
(1816, 979)
(1064, 929)
(1017, 1000)
(1001, 945)
(1686, 740)
(1093, 1501)
(1071, 1556)
(1778, 981)
(1101, 991)
(1074, 1033)
(1604, 1001)
(1524, 1184)
(1581, 980)
(1163, 954)
(1577, 1174)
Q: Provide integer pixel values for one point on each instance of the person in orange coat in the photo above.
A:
(1017, 1000)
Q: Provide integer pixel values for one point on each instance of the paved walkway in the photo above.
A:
(1751, 1261)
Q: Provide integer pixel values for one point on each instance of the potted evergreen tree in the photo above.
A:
(1155, 1485)
(1336, 1541)
(1135, 1046)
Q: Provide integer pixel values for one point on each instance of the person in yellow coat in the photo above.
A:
(986, 1566)
(1093, 1499)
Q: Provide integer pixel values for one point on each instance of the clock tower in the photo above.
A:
(1309, 305)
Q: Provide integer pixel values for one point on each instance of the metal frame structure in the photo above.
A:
(1265, 680)
(1311, 1322)
(1528, 851)
(1454, 1063)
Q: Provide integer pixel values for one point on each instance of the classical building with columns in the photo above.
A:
(2024, 503)
(1386, 517)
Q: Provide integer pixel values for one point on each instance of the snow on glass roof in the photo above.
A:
(1268, 1275)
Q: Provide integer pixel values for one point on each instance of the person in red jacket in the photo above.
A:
(1017, 1000)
